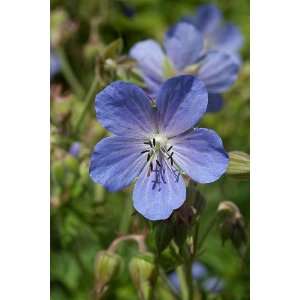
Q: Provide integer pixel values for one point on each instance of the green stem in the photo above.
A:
(87, 103)
(189, 279)
(168, 284)
(183, 284)
(126, 217)
(207, 231)
(69, 74)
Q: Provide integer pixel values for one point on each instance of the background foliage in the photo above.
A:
(85, 218)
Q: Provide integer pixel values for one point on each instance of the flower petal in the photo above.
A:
(124, 109)
(200, 153)
(150, 58)
(116, 161)
(208, 18)
(181, 102)
(227, 38)
(183, 43)
(157, 195)
(218, 70)
(215, 103)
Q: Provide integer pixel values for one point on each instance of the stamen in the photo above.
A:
(145, 151)
(170, 156)
(153, 142)
(169, 148)
(148, 143)
(158, 163)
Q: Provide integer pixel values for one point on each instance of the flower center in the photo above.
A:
(157, 149)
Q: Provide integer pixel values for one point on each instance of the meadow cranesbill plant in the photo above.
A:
(217, 34)
(185, 53)
(154, 143)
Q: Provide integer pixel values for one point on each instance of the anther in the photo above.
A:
(148, 157)
(151, 166)
(158, 163)
(170, 156)
(145, 151)
(169, 148)
(148, 143)
(154, 142)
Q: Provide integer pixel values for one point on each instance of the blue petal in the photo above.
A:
(218, 70)
(198, 270)
(116, 161)
(200, 153)
(214, 285)
(150, 58)
(157, 195)
(55, 64)
(183, 43)
(125, 109)
(215, 103)
(227, 38)
(208, 18)
(181, 102)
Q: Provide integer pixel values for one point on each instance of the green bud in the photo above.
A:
(107, 266)
(239, 163)
(142, 268)
(71, 163)
(231, 224)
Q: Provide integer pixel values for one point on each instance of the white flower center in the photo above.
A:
(161, 141)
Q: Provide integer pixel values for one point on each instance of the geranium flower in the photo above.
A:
(154, 143)
(185, 54)
(218, 35)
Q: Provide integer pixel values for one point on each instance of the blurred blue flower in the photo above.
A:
(213, 285)
(155, 142)
(75, 149)
(218, 35)
(185, 54)
(199, 271)
(55, 64)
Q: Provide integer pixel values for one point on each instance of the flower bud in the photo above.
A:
(142, 271)
(239, 164)
(231, 223)
(107, 266)
(71, 163)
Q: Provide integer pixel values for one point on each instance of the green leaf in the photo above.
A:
(239, 163)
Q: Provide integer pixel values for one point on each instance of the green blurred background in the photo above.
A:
(84, 217)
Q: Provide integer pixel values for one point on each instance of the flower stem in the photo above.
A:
(126, 217)
(183, 284)
(87, 102)
(207, 231)
(69, 74)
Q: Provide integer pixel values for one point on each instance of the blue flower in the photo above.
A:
(154, 143)
(75, 149)
(185, 54)
(55, 64)
(213, 285)
(218, 35)
(199, 271)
